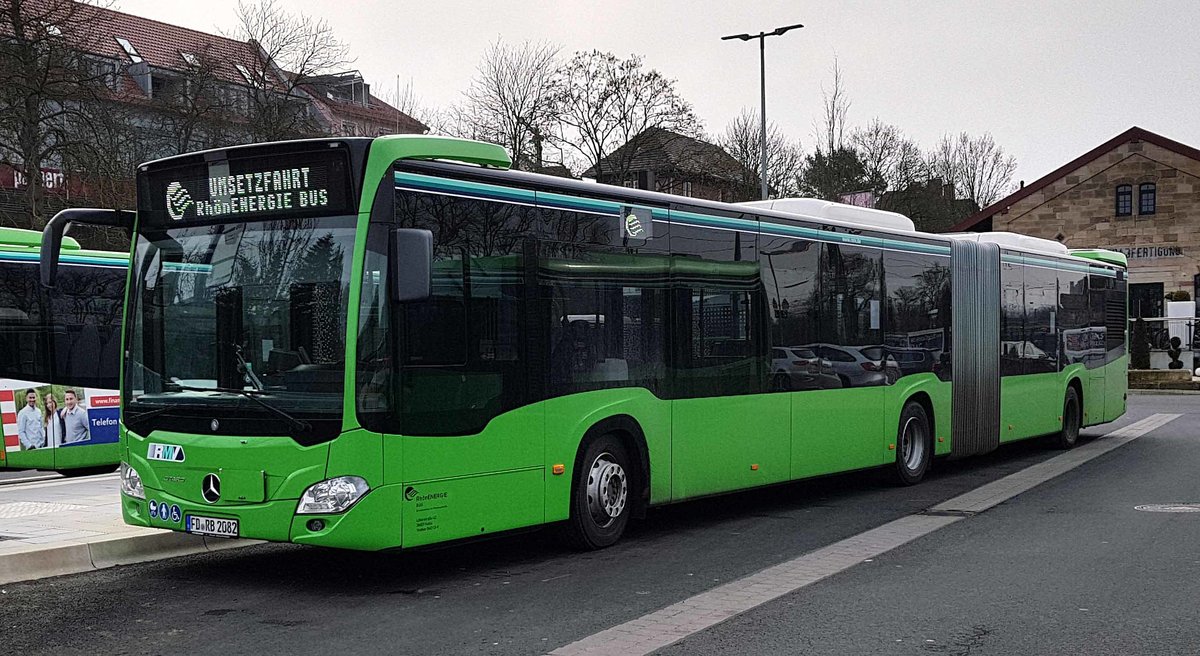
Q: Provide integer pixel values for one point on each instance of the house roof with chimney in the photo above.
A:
(663, 151)
(1133, 134)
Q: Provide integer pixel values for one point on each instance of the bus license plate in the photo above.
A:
(224, 528)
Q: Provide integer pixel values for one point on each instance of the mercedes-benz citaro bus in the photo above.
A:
(59, 357)
(393, 342)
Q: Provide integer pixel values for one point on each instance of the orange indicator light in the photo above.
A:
(753, 467)
(558, 469)
(891, 447)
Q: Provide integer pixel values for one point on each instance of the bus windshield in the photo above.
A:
(219, 312)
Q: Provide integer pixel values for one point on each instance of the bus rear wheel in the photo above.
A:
(1069, 435)
(600, 496)
(914, 444)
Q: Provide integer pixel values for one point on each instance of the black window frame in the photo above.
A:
(1147, 199)
(1123, 203)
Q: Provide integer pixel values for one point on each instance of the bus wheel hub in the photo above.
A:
(607, 490)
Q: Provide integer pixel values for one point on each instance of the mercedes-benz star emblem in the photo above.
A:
(210, 488)
(215, 425)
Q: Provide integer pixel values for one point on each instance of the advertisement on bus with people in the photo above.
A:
(52, 426)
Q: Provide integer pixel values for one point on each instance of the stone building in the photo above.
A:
(1138, 193)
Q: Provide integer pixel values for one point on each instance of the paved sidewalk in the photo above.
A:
(59, 527)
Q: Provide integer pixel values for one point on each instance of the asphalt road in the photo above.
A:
(1012, 580)
(24, 475)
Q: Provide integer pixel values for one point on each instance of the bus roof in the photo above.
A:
(21, 238)
(18, 244)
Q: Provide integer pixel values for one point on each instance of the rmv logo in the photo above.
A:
(168, 452)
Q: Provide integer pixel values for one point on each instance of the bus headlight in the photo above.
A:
(332, 495)
(131, 482)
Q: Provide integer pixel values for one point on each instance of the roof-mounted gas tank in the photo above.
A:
(824, 209)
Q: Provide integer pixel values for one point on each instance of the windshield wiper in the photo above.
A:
(298, 424)
(146, 414)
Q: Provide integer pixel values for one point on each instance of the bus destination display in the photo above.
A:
(305, 185)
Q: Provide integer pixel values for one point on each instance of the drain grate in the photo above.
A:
(30, 508)
(1169, 507)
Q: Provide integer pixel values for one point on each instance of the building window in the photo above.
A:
(1146, 198)
(130, 51)
(1124, 200)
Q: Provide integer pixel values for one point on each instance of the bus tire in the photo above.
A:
(1071, 415)
(914, 444)
(601, 495)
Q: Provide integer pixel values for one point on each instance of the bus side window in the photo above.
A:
(375, 352)
(23, 347)
(85, 315)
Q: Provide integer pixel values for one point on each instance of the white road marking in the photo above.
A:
(664, 627)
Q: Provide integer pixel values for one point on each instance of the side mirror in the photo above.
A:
(52, 234)
(411, 265)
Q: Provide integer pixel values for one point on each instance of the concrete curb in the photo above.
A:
(1152, 392)
(87, 556)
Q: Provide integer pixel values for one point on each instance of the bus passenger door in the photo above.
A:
(471, 458)
(726, 433)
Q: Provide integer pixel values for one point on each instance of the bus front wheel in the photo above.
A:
(600, 496)
(1066, 438)
(914, 444)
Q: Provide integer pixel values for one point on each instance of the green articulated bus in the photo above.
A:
(59, 357)
(395, 342)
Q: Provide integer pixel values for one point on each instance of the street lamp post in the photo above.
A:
(762, 69)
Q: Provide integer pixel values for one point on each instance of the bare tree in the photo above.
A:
(835, 105)
(979, 168)
(892, 160)
(46, 76)
(605, 106)
(510, 101)
(293, 51)
(785, 159)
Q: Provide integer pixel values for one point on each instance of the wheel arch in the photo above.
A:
(633, 438)
(922, 397)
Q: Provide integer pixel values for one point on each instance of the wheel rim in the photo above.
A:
(607, 490)
(912, 444)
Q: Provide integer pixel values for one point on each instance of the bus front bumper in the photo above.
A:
(371, 524)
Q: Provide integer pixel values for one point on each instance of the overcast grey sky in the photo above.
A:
(1049, 79)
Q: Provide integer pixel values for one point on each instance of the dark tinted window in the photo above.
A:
(24, 353)
(790, 276)
(1080, 343)
(462, 351)
(720, 346)
(850, 312)
(1040, 354)
(1013, 346)
(607, 317)
(85, 314)
(375, 347)
(918, 312)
